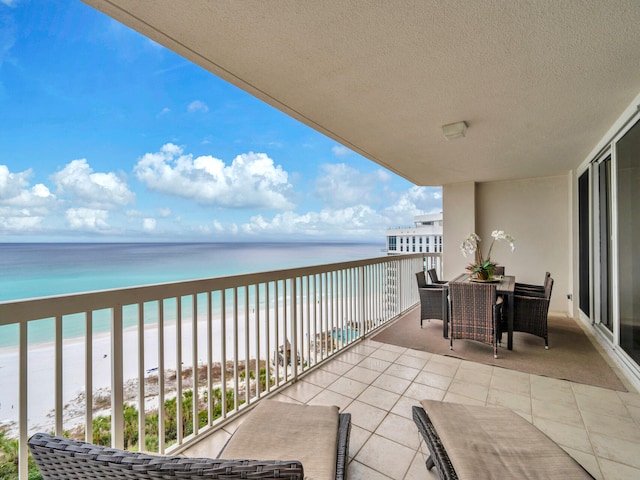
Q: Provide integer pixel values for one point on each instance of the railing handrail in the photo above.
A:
(15, 311)
(321, 309)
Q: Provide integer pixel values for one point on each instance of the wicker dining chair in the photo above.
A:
(432, 301)
(530, 289)
(531, 312)
(433, 275)
(474, 313)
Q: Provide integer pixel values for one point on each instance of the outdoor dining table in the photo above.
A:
(505, 286)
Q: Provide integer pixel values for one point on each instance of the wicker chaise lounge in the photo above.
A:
(474, 442)
(62, 458)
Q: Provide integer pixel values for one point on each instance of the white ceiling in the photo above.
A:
(539, 82)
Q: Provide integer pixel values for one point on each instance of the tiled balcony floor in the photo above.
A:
(378, 383)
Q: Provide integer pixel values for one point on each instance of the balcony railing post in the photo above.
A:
(23, 471)
(310, 319)
(117, 379)
(294, 327)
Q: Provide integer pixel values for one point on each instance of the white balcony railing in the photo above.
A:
(220, 343)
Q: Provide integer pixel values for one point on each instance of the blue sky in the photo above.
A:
(108, 136)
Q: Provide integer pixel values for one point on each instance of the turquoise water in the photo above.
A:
(34, 270)
(46, 269)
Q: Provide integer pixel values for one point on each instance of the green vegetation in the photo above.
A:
(102, 426)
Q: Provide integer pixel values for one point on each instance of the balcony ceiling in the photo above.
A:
(538, 82)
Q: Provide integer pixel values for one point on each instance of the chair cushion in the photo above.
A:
(286, 431)
(495, 442)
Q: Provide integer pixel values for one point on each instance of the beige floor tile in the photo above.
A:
(357, 438)
(451, 397)
(552, 391)
(565, 435)
(208, 447)
(321, 378)
(358, 471)
(418, 469)
(588, 462)
(472, 390)
(630, 398)
(411, 361)
(470, 376)
(441, 368)
(347, 386)
(327, 397)
(362, 374)
(351, 357)
(447, 360)
(614, 426)
(504, 372)
(635, 413)
(418, 391)
(419, 354)
(514, 384)
(403, 407)
(616, 449)
(281, 397)
(559, 412)
(393, 348)
(337, 367)
(513, 401)
(365, 416)
(400, 430)
(363, 349)
(385, 456)
(477, 367)
(379, 398)
(388, 355)
(434, 380)
(401, 371)
(391, 383)
(302, 391)
(598, 399)
(375, 364)
(618, 471)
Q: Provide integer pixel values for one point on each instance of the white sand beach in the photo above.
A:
(41, 372)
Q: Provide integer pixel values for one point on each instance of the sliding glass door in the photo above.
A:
(628, 209)
(603, 258)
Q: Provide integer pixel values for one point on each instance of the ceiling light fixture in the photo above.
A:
(454, 130)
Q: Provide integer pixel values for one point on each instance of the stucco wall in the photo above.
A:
(458, 206)
(534, 211)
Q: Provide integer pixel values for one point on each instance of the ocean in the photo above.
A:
(32, 270)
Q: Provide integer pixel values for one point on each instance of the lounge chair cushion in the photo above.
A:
(285, 431)
(495, 442)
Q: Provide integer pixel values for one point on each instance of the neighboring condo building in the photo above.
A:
(424, 237)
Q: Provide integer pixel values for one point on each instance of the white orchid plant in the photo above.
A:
(483, 267)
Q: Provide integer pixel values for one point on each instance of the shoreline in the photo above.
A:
(41, 374)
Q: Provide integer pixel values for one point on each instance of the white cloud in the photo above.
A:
(19, 224)
(87, 219)
(415, 201)
(164, 212)
(15, 191)
(357, 221)
(251, 181)
(164, 112)
(217, 226)
(95, 190)
(198, 106)
(341, 151)
(148, 224)
(342, 185)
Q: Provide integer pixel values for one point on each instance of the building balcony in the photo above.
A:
(313, 331)
(378, 383)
